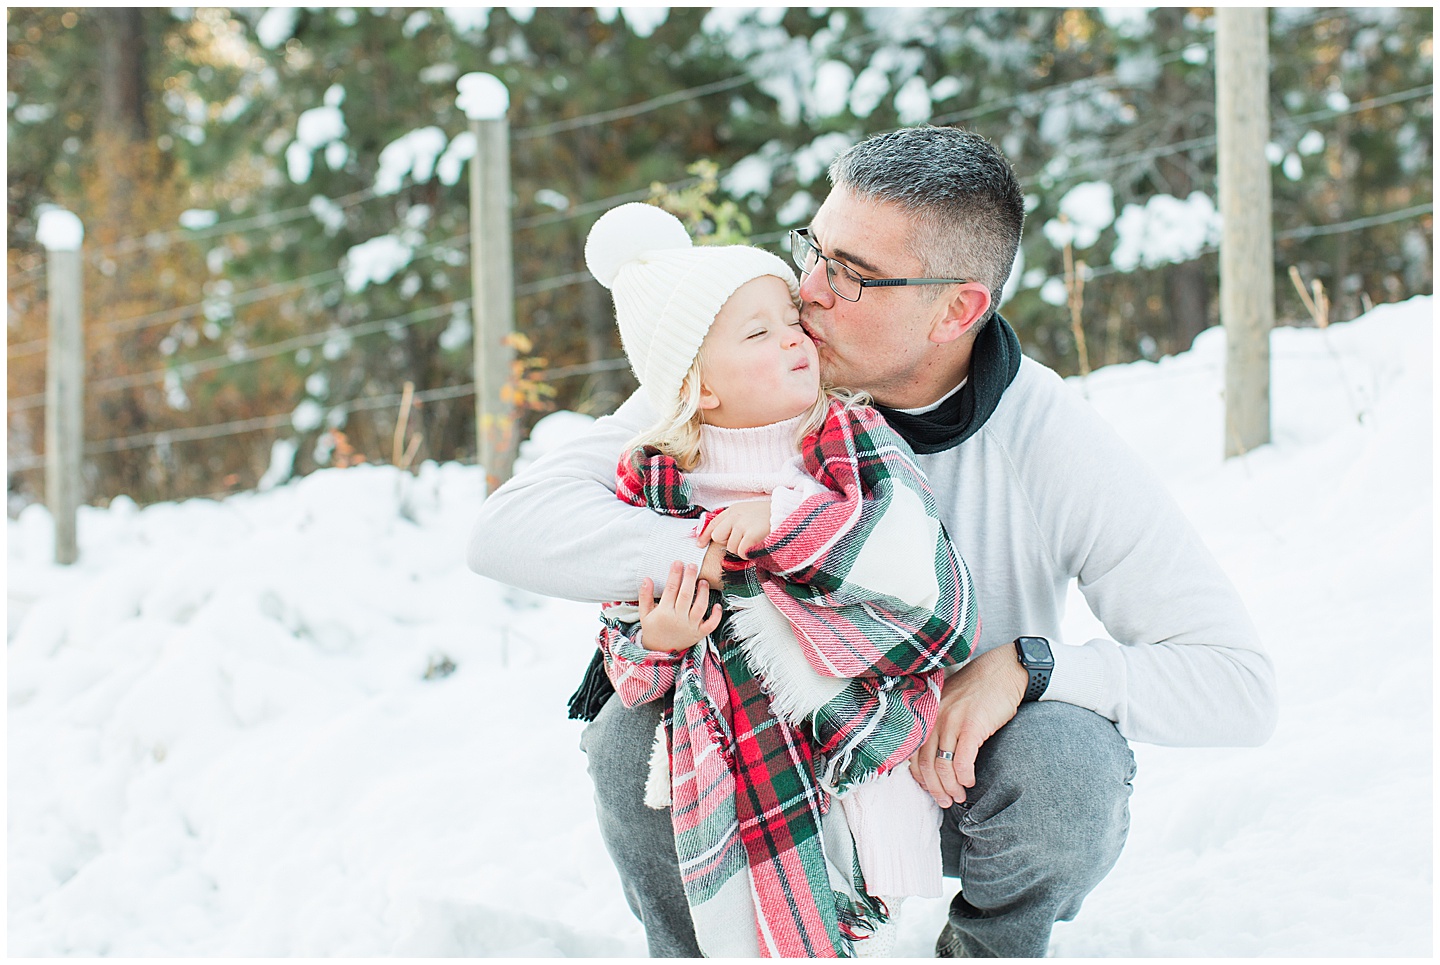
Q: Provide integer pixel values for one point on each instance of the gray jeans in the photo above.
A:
(1043, 825)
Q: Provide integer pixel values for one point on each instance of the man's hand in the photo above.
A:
(677, 620)
(976, 701)
(740, 528)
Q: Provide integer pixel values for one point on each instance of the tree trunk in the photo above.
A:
(124, 93)
(1187, 300)
(1187, 289)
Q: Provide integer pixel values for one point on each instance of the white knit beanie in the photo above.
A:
(667, 291)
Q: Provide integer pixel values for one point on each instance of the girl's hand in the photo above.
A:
(677, 621)
(740, 528)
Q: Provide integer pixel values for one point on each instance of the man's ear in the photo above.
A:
(960, 313)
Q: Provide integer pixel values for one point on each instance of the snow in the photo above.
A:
(800, 207)
(1312, 143)
(316, 128)
(871, 85)
(1088, 209)
(468, 20)
(275, 26)
(550, 433)
(833, 80)
(234, 731)
(330, 215)
(308, 416)
(194, 218)
(644, 21)
(1054, 292)
(59, 230)
(1129, 21)
(413, 153)
(452, 162)
(458, 332)
(1165, 229)
(912, 101)
(415, 23)
(814, 158)
(753, 174)
(438, 73)
(375, 262)
(1013, 280)
(282, 464)
(946, 87)
(34, 113)
(483, 97)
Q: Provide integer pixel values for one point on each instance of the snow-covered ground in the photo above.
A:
(222, 738)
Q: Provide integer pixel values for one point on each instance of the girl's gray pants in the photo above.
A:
(1043, 825)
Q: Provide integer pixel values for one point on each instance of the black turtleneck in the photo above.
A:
(993, 363)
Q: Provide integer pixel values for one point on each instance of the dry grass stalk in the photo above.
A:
(1317, 303)
(1075, 287)
(401, 452)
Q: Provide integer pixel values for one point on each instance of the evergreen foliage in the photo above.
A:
(307, 145)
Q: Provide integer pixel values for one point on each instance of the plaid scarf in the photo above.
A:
(825, 672)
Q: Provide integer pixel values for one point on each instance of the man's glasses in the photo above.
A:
(842, 278)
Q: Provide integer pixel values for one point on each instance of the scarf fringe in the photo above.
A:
(795, 688)
(594, 690)
(657, 783)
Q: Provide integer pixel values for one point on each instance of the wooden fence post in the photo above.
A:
(485, 101)
(1247, 274)
(61, 233)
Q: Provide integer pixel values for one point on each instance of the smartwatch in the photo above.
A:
(1035, 656)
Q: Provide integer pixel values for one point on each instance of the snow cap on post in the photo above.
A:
(59, 230)
(483, 97)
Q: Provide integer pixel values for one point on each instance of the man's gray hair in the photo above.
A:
(966, 202)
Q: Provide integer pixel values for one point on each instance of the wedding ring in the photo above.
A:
(945, 755)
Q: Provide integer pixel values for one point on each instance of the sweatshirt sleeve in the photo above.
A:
(558, 529)
(1184, 664)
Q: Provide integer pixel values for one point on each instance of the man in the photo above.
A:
(1029, 756)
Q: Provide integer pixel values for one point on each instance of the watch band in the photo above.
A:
(1039, 680)
(1037, 667)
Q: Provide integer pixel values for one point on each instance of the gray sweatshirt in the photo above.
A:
(1044, 492)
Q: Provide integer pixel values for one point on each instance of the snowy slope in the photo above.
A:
(222, 740)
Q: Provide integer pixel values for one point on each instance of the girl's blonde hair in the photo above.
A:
(677, 434)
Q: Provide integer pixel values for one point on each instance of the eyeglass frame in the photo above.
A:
(799, 236)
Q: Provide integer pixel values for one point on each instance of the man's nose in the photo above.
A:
(815, 289)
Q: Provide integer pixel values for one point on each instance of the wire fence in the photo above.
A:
(22, 463)
(1028, 100)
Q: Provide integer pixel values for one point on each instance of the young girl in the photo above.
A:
(814, 672)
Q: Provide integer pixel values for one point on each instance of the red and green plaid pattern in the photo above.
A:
(750, 788)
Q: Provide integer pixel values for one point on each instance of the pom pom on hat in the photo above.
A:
(667, 290)
(626, 233)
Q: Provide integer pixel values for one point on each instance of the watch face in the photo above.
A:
(1035, 649)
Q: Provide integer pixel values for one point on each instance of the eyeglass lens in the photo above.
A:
(843, 281)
